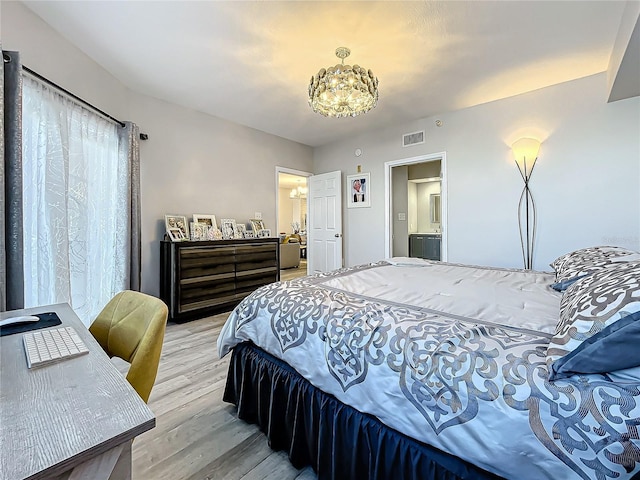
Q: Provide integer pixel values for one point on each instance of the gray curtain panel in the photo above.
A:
(130, 135)
(11, 264)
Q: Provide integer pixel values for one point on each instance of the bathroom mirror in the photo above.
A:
(434, 203)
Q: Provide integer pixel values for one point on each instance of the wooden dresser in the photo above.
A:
(201, 278)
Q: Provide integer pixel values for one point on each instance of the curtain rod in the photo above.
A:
(75, 97)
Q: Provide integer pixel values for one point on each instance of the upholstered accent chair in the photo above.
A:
(131, 326)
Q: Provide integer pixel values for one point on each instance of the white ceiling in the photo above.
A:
(250, 61)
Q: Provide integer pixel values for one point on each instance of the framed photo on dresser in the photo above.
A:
(257, 225)
(209, 220)
(228, 227)
(176, 221)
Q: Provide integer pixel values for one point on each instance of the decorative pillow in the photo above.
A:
(587, 260)
(564, 284)
(599, 326)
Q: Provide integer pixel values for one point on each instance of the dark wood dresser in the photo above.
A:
(202, 278)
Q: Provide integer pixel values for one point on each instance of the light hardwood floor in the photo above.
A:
(197, 435)
(291, 273)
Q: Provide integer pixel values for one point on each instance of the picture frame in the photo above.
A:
(264, 233)
(176, 234)
(199, 231)
(228, 228)
(177, 221)
(249, 234)
(239, 230)
(359, 190)
(257, 224)
(207, 219)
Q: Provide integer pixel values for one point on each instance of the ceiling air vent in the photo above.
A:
(414, 138)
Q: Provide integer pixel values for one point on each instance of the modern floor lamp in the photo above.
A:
(525, 152)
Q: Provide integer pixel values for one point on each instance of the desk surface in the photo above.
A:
(55, 417)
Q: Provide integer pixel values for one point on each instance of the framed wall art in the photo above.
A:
(358, 190)
(209, 220)
(177, 221)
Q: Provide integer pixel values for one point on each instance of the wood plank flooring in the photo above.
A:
(291, 273)
(197, 435)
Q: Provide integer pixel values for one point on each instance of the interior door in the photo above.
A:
(325, 222)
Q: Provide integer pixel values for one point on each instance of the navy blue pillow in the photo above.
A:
(614, 348)
(564, 284)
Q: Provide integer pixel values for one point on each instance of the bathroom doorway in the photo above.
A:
(416, 207)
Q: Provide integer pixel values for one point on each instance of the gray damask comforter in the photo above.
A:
(453, 356)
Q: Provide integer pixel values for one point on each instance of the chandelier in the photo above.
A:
(299, 192)
(343, 90)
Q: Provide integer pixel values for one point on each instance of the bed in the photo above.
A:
(417, 369)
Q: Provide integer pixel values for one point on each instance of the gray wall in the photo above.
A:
(192, 162)
(585, 184)
(400, 205)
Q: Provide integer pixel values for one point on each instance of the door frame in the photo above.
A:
(388, 224)
(300, 173)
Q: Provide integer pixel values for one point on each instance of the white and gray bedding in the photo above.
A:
(453, 356)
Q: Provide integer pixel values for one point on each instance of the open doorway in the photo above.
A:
(292, 219)
(416, 207)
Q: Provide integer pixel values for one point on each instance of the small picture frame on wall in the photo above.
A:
(228, 228)
(358, 190)
(209, 220)
(177, 221)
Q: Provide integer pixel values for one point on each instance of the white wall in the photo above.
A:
(196, 163)
(423, 194)
(400, 206)
(412, 194)
(285, 211)
(192, 162)
(585, 184)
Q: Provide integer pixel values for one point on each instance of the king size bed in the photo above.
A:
(413, 369)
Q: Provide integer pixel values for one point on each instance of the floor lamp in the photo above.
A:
(525, 152)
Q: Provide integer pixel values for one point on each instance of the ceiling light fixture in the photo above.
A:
(300, 192)
(343, 90)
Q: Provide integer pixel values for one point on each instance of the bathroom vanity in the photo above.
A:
(425, 245)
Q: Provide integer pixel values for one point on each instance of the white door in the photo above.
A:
(325, 222)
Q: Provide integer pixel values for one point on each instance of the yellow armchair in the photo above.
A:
(131, 326)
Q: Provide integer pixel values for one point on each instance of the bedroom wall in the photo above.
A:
(585, 183)
(192, 162)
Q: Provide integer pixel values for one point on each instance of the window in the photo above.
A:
(76, 203)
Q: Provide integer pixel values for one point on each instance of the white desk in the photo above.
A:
(74, 419)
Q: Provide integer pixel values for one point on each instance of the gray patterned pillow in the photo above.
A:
(585, 261)
(599, 327)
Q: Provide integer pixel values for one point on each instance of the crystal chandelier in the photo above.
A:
(343, 90)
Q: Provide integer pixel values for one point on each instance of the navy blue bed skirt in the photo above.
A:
(316, 429)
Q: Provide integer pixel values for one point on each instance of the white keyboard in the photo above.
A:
(47, 346)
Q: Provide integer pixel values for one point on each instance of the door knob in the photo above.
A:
(338, 235)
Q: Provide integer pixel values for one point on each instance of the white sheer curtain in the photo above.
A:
(76, 204)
